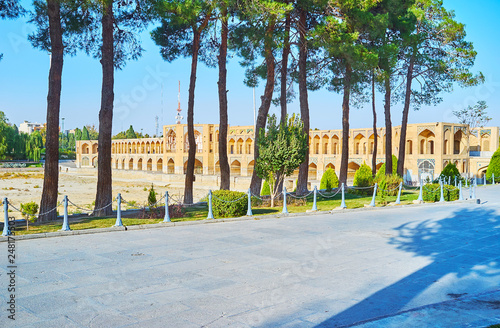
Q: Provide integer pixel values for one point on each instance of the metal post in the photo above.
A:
(466, 182)
(65, 226)
(167, 215)
(455, 180)
(119, 211)
(285, 209)
(372, 204)
(420, 194)
(493, 178)
(249, 211)
(441, 199)
(315, 206)
(398, 200)
(6, 230)
(484, 176)
(460, 196)
(474, 189)
(342, 204)
(210, 212)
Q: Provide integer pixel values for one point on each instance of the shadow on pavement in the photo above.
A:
(463, 244)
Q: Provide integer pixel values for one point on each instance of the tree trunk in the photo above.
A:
(284, 68)
(223, 161)
(104, 195)
(304, 102)
(51, 171)
(388, 126)
(265, 104)
(188, 187)
(404, 123)
(375, 135)
(344, 162)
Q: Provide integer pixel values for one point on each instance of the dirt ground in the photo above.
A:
(25, 185)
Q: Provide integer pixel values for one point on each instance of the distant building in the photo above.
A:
(429, 148)
(28, 127)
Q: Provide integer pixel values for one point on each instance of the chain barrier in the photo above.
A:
(425, 187)
(258, 197)
(144, 206)
(331, 196)
(229, 201)
(410, 188)
(360, 188)
(300, 197)
(389, 190)
(78, 207)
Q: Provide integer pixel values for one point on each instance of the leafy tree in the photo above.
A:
(436, 55)
(130, 133)
(329, 180)
(78, 134)
(282, 150)
(151, 196)
(363, 176)
(85, 134)
(494, 166)
(34, 146)
(256, 38)
(3, 135)
(451, 172)
(474, 116)
(120, 135)
(183, 24)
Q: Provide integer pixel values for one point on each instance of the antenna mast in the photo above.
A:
(179, 118)
(156, 125)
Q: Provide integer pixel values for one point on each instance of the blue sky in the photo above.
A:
(138, 87)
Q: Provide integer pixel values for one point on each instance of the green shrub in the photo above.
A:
(152, 196)
(449, 173)
(225, 203)
(494, 167)
(266, 190)
(329, 180)
(432, 192)
(363, 178)
(29, 210)
(381, 170)
(390, 182)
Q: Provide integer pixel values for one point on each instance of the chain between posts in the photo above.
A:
(331, 196)
(229, 201)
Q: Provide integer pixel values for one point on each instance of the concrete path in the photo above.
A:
(324, 270)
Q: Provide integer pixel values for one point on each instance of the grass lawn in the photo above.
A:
(201, 212)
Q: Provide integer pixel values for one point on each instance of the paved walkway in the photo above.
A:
(322, 270)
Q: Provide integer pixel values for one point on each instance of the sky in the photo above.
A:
(148, 87)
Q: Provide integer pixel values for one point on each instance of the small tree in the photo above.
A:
(130, 133)
(450, 172)
(282, 149)
(381, 171)
(494, 166)
(29, 210)
(152, 197)
(266, 191)
(329, 180)
(363, 178)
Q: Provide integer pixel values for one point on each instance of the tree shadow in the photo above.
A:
(466, 244)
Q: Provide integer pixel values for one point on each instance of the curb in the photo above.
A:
(212, 221)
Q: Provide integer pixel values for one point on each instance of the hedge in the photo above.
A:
(229, 205)
(494, 167)
(432, 192)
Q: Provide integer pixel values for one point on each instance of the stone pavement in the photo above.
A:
(323, 270)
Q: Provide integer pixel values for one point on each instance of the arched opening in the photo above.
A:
(316, 142)
(330, 166)
(351, 169)
(248, 146)
(149, 165)
(94, 161)
(426, 139)
(85, 161)
(171, 141)
(123, 164)
(250, 168)
(446, 145)
(85, 149)
(325, 141)
(409, 147)
(159, 165)
(170, 166)
(358, 144)
(458, 146)
(239, 146)
(481, 172)
(431, 147)
(485, 142)
(379, 165)
(197, 139)
(235, 168)
(426, 171)
(139, 164)
(313, 171)
(231, 149)
(116, 164)
(94, 148)
(335, 145)
(198, 167)
(217, 168)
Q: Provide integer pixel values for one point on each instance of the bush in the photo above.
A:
(449, 173)
(494, 166)
(329, 180)
(363, 178)
(266, 190)
(29, 210)
(226, 203)
(381, 171)
(432, 192)
(389, 183)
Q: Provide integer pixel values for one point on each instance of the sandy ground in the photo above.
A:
(25, 185)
